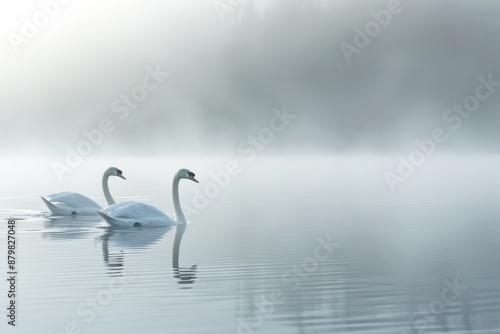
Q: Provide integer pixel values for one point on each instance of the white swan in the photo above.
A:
(69, 203)
(140, 214)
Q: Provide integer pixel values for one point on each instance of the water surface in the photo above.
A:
(263, 236)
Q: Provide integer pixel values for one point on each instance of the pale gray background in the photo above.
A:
(226, 76)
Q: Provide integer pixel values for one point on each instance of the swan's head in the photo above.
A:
(187, 174)
(116, 172)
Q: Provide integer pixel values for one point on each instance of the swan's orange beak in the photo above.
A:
(123, 177)
(193, 179)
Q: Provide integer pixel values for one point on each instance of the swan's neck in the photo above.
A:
(105, 189)
(179, 215)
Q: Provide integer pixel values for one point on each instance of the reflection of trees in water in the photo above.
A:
(340, 297)
(318, 305)
(187, 275)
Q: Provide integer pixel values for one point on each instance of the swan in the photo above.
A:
(140, 214)
(69, 203)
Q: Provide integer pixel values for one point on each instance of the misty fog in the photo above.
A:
(228, 71)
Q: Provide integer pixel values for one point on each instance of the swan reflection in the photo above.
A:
(69, 227)
(14, 214)
(185, 275)
(116, 242)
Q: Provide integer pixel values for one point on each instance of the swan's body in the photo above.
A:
(69, 203)
(131, 213)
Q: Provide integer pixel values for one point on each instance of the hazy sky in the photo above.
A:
(227, 75)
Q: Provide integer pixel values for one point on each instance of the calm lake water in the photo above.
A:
(290, 245)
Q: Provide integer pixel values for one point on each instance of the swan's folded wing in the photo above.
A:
(113, 209)
(133, 210)
(55, 195)
(129, 213)
(74, 200)
(132, 213)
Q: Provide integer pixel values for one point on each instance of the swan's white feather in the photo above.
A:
(129, 213)
(66, 203)
(70, 203)
(74, 200)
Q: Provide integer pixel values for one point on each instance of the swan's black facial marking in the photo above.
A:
(191, 176)
(119, 173)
